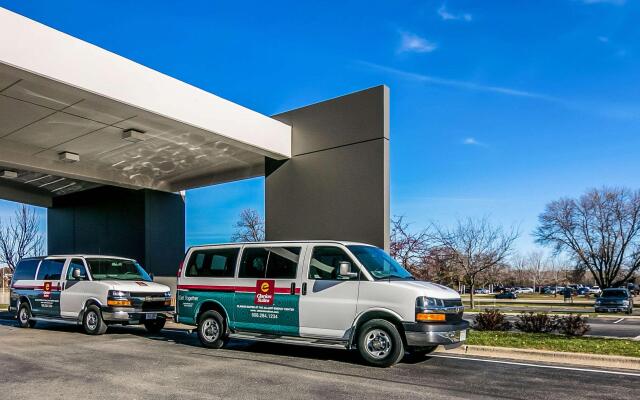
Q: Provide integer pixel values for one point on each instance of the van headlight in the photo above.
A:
(625, 302)
(431, 309)
(118, 298)
(118, 293)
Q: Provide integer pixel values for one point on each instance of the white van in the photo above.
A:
(94, 291)
(324, 293)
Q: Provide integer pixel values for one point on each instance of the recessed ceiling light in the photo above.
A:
(69, 157)
(133, 135)
(8, 174)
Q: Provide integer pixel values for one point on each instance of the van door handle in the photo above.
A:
(293, 288)
(304, 288)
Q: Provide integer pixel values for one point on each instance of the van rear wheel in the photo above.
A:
(24, 316)
(92, 321)
(380, 343)
(211, 330)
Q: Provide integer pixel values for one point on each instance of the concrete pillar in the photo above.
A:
(336, 185)
(146, 225)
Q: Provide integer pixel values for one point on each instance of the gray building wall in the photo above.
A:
(336, 185)
(146, 225)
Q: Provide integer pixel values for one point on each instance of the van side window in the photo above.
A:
(50, 270)
(220, 263)
(77, 264)
(26, 270)
(254, 263)
(325, 263)
(283, 262)
(270, 262)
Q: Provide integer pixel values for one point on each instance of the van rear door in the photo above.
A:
(46, 296)
(267, 291)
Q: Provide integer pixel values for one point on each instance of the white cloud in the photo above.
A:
(447, 16)
(411, 43)
(460, 84)
(471, 141)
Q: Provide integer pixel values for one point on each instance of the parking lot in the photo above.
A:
(58, 361)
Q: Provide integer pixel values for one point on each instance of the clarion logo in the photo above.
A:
(265, 290)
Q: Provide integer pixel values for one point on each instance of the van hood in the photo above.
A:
(136, 286)
(428, 289)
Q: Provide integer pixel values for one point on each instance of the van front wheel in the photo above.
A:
(380, 343)
(92, 321)
(211, 331)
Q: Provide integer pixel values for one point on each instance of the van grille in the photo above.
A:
(148, 301)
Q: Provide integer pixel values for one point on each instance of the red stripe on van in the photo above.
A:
(244, 289)
(34, 287)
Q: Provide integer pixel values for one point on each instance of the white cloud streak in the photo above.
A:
(412, 43)
(447, 16)
(466, 85)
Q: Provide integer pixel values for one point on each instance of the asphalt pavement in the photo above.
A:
(58, 361)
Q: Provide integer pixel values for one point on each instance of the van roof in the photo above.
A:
(343, 242)
(75, 255)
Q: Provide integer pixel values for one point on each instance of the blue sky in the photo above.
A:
(497, 107)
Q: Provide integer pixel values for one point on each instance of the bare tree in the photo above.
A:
(20, 237)
(409, 248)
(536, 267)
(475, 246)
(600, 230)
(249, 228)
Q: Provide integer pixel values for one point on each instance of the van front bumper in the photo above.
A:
(421, 334)
(132, 315)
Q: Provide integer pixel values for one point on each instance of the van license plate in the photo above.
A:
(151, 316)
(463, 335)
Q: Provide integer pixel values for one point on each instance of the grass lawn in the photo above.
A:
(545, 341)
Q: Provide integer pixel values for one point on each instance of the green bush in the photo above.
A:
(536, 322)
(491, 320)
(573, 325)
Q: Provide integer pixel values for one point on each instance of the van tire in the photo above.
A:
(92, 321)
(24, 316)
(211, 330)
(155, 325)
(380, 343)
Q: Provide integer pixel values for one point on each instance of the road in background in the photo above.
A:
(126, 362)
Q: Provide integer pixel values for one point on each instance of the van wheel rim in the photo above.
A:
(92, 321)
(210, 330)
(24, 318)
(378, 344)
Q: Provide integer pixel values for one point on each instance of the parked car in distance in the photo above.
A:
(595, 290)
(633, 288)
(92, 291)
(482, 291)
(615, 300)
(583, 291)
(522, 290)
(320, 293)
(507, 295)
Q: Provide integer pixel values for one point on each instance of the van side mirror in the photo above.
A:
(75, 274)
(345, 270)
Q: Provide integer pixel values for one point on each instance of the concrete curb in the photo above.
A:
(557, 357)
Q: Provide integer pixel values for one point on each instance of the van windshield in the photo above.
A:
(379, 264)
(103, 269)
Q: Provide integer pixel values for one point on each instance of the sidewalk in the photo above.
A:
(551, 357)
